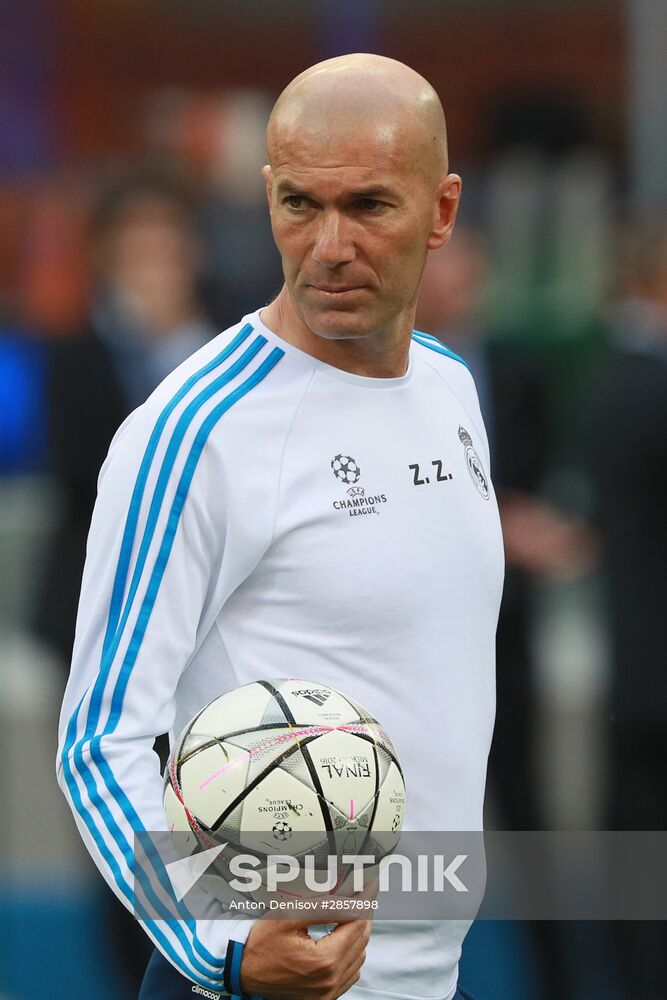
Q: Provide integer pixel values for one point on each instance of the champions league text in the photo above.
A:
(360, 504)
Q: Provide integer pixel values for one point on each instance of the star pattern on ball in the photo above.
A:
(282, 830)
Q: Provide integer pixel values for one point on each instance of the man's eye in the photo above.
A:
(370, 204)
(294, 201)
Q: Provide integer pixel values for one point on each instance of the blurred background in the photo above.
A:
(133, 228)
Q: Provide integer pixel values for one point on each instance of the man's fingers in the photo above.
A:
(324, 919)
(348, 961)
(351, 929)
(346, 942)
(323, 969)
(299, 923)
(350, 933)
(352, 968)
(306, 922)
(350, 981)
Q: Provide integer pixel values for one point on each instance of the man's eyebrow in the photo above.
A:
(286, 187)
(377, 191)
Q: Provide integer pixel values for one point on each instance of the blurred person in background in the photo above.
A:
(145, 318)
(217, 139)
(629, 468)
(237, 225)
(539, 540)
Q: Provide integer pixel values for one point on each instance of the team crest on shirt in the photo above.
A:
(474, 463)
(357, 503)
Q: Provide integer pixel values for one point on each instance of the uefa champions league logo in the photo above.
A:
(348, 473)
(345, 469)
(282, 831)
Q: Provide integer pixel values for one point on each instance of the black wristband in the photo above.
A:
(231, 976)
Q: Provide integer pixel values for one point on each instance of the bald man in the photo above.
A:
(307, 496)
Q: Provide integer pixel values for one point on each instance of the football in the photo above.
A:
(283, 766)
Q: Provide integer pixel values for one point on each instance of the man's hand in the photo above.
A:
(282, 962)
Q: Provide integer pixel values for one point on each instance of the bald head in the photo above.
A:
(357, 94)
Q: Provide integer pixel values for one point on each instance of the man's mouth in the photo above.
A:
(336, 289)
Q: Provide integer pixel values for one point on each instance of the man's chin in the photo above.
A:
(338, 324)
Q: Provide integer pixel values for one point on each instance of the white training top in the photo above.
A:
(263, 515)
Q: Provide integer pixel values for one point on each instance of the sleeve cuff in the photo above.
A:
(231, 976)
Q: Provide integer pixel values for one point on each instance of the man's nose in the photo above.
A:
(334, 244)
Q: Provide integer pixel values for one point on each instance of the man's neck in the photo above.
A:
(377, 355)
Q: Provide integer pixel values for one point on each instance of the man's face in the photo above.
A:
(352, 219)
(151, 254)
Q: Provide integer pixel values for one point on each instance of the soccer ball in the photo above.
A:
(346, 469)
(282, 766)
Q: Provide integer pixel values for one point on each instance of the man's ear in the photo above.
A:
(449, 195)
(267, 174)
